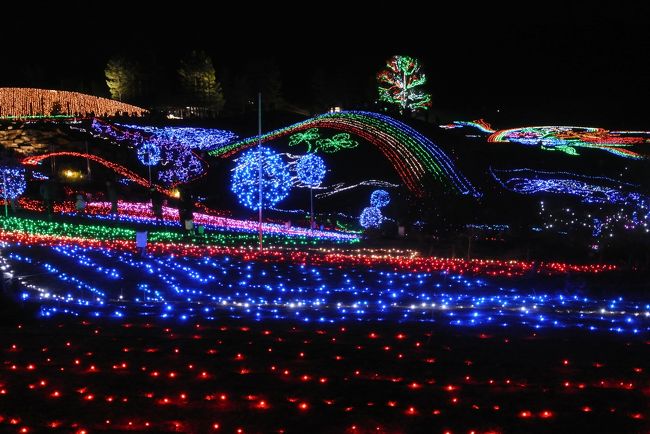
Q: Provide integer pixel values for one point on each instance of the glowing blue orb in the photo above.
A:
(149, 154)
(276, 180)
(12, 182)
(379, 198)
(371, 217)
(311, 170)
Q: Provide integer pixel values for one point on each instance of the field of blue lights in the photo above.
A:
(97, 282)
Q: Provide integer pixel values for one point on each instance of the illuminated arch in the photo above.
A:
(414, 156)
(27, 102)
(119, 169)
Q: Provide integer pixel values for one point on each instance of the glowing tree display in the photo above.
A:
(275, 178)
(379, 198)
(149, 154)
(311, 171)
(12, 184)
(401, 84)
(371, 217)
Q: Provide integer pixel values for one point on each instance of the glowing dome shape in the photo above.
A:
(149, 154)
(12, 182)
(276, 180)
(371, 217)
(379, 198)
(311, 170)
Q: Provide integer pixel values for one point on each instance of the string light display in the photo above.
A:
(110, 374)
(275, 178)
(311, 170)
(315, 143)
(307, 137)
(605, 207)
(117, 168)
(235, 231)
(12, 182)
(16, 102)
(178, 163)
(414, 157)
(371, 217)
(204, 139)
(479, 124)
(590, 189)
(401, 84)
(149, 154)
(86, 278)
(336, 143)
(379, 198)
(340, 187)
(565, 138)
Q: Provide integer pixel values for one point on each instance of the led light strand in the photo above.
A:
(414, 156)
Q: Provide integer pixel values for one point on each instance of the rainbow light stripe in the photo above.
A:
(414, 156)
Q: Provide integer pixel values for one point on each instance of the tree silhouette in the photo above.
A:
(198, 80)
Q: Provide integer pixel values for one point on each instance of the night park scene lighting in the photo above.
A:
(324, 219)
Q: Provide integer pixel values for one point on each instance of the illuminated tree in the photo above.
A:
(371, 217)
(12, 182)
(275, 178)
(120, 78)
(401, 84)
(199, 82)
(12, 185)
(379, 198)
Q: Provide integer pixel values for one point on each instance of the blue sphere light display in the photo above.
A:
(276, 179)
(149, 154)
(379, 198)
(311, 170)
(12, 182)
(371, 217)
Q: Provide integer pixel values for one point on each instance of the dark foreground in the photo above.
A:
(238, 376)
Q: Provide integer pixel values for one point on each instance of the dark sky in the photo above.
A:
(541, 61)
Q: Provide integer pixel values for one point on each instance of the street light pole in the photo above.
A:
(4, 189)
(259, 164)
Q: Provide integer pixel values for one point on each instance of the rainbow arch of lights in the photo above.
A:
(414, 156)
(27, 102)
(117, 168)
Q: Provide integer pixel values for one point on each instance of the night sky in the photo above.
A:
(541, 63)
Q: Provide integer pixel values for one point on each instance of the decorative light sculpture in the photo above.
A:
(275, 180)
(311, 170)
(20, 102)
(12, 184)
(371, 217)
(401, 84)
(149, 154)
(379, 198)
(416, 159)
